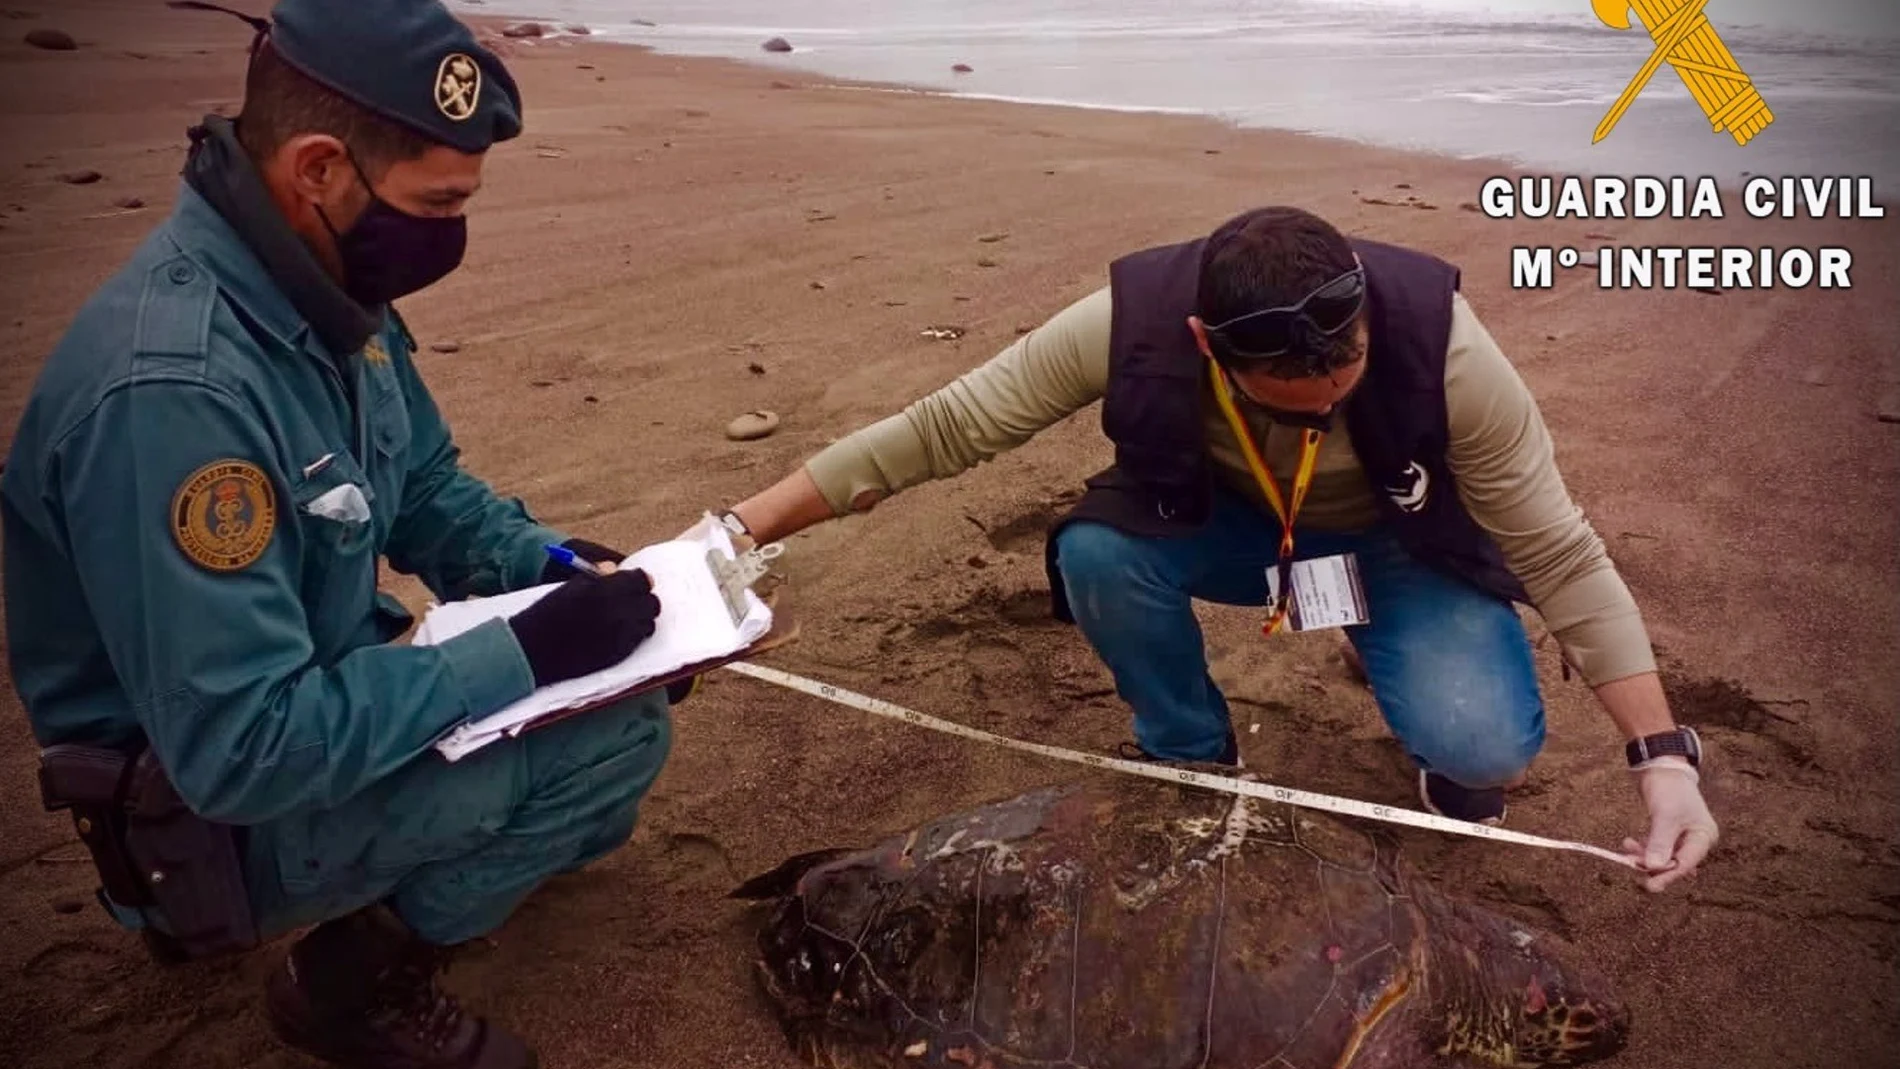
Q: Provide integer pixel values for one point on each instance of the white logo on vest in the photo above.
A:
(1410, 494)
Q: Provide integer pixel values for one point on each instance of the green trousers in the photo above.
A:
(454, 848)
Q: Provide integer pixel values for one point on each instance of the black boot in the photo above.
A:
(1229, 755)
(360, 991)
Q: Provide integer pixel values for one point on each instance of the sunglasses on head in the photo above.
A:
(1275, 332)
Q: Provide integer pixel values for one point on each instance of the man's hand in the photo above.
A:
(586, 624)
(1681, 830)
(593, 552)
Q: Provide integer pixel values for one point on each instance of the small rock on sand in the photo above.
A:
(525, 29)
(80, 178)
(52, 40)
(756, 368)
(446, 347)
(1887, 410)
(577, 29)
(962, 68)
(130, 204)
(751, 425)
(777, 44)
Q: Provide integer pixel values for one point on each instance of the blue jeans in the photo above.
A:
(455, 848)
(1450, 665)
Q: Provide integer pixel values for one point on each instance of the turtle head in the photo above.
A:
(1514, 996)
(1563, 1017)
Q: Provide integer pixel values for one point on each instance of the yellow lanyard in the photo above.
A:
(1302, 481)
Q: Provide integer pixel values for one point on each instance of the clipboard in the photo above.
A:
(784, 629)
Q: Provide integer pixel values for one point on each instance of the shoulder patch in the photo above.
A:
(224, 514)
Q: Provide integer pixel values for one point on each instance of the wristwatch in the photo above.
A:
(733, 524)
(1676, 742)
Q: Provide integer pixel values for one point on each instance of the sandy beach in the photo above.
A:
(676, 241)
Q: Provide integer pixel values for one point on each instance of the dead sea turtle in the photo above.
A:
(1126, 923)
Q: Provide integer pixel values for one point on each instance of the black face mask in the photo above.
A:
(390, 253)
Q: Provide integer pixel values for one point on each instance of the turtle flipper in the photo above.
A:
(781, 880)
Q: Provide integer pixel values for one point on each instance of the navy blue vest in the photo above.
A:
(1162, 481)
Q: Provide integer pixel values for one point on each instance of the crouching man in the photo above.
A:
(212, 463)
(1277, 392)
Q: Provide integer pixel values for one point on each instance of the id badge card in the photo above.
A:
(1326, 593)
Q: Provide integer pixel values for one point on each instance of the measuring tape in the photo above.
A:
(1267, 791)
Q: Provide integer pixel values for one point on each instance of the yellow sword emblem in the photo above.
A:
(1686, 41)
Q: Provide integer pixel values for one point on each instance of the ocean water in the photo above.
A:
(1525, 81)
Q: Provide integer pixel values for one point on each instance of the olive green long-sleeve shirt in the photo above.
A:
(1500, 453)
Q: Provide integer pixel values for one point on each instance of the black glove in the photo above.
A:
(554, 571)
(586, 624)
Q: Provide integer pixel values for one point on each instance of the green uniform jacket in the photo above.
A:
(194, 507)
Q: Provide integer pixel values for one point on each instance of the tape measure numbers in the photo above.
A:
(1268, 791)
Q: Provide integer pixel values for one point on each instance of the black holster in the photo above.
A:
(162, 867)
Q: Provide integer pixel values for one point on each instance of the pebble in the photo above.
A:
(524, 29)
(777, 44)
(446, 347)
(52, 40)
(752, 425)
(80, 178)
(962, 68)
(1888, 410)
(130, 204)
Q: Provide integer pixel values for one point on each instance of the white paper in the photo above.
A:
(344, 504)
(1326, 593)
(694, 625)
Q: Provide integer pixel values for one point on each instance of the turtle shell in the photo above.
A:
(1127, 923)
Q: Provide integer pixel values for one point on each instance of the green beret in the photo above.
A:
(409, 61)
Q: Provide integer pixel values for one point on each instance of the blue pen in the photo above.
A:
(568, 557)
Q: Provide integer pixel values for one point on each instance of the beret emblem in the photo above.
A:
(458, 86)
